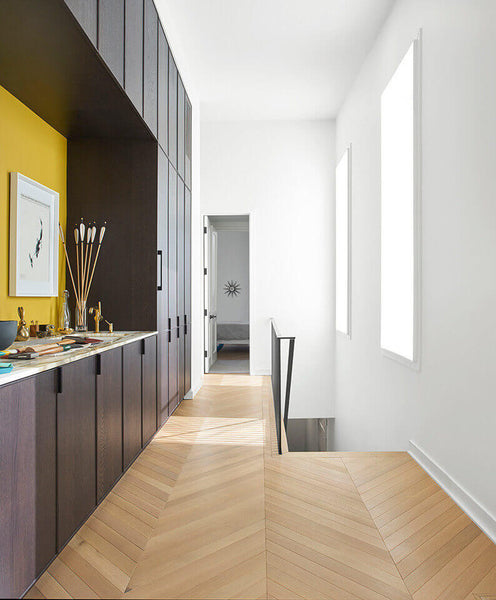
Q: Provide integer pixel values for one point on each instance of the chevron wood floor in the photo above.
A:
(210, 511)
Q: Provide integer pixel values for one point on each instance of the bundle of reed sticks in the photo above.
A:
(84, 238)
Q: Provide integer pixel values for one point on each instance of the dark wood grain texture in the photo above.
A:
(172, 111)
(172, 242)
(85, 12)
(173, 370)
(111, 36)
(133, 52)
(181, 349)
(163, 89)
(162, 234)
(162, 377)
(108, 420)
(181, 311)
(76, 460)
(150, 67)
(181, 122)
(116, 181)
(149, 386)
(48, 63)
(131, 401)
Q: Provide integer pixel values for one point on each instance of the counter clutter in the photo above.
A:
(24, 359)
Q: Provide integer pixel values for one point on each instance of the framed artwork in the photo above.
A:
(34, 244)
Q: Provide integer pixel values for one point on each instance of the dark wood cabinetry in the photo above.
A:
(162, 377)
(172, 111)
(27, 473)
(163, 90)
(111, 36)
(149, 388)
(86, 13)
(188, 141)
(173, 369)
(108, 420)
(173, 311)
(150, 67)
(76, 446)
(181, 116)
(133, 55)
(131, 402)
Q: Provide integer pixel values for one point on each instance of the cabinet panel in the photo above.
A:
(162, 236)
(111, 35)
(180, 252)
(109, 420)
(187, 359)
(187, 255)
(188, 134)
(172, 111)
(27, 473)
(131, 401)
(173, 369)
(133, 59)
(76, 430)
(180, 366)
(163, 89)
(85, 12)
(172, 248)
(149, 387)
(150, 71)
(181, 115)
(162, 378)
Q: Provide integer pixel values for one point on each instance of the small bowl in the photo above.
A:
(8, 332)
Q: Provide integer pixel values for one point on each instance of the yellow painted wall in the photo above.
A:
(29, 146)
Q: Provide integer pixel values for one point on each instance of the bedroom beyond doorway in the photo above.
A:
(227, 293)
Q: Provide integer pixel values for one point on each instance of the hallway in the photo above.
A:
(210, 511)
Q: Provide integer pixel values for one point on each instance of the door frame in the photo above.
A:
(251, 247)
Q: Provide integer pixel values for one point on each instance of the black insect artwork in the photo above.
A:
(37, 247)
(232, 288)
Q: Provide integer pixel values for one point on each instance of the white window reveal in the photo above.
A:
(400, 175)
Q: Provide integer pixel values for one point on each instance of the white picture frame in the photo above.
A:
(34, 245)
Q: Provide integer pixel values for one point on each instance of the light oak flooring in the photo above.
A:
(210, 511)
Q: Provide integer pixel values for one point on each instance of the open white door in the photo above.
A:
(210, 293)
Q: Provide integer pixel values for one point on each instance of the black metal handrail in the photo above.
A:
(276, 376)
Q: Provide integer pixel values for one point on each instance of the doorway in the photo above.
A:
(226, 294)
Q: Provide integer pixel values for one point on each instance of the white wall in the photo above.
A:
(233, 265)
(448, 408)
(282, 174)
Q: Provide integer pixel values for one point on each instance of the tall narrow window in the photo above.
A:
(399, 203)
(343, 244)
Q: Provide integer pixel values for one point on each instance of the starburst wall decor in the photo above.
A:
(232, 288)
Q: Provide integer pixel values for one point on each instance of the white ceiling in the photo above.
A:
(273, 59)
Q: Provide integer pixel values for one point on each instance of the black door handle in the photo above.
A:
(159, 287)
(213, 316)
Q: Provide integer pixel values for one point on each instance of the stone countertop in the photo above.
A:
(26, 368)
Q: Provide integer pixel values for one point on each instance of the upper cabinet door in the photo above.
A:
(86, 13)
(162, 235)
(163, 89)
(181, 115)
(172, 111)
(188, 134)
(111, 36)
(133, 58)
(187, 256)
(150, 67)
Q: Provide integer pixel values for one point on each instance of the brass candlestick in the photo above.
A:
(22, 330)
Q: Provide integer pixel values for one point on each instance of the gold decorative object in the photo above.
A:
(22, 330)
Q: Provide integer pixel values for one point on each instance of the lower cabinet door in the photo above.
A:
(76, 446)
(27, 475)
(162, 378)
(149, 387)
(108, 420)
(181, 366)
(187, 359)
(173, 368)
(131, 401)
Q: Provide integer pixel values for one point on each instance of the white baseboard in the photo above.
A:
(478, 513)
(192, 392)
(259, 372)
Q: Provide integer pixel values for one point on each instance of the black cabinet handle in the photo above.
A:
(178, 321)
(98, 364)
(59, 380)
(159, 287)
(185, 329)
(178, 330)
(169, 336)
(169, 321)
(143, 347)
(185, 321)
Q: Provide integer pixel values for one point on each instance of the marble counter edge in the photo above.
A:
(22, 371)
